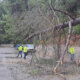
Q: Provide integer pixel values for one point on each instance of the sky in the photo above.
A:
(1, 0)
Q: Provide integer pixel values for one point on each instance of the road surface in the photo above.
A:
(13, 68)
(5, 73)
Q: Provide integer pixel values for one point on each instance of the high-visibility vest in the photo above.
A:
(25, 49)
(71, 50)
(20, 48)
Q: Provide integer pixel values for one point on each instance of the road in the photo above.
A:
(5, 73)
(13, 68)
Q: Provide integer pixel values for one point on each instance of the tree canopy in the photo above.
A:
(19, 18)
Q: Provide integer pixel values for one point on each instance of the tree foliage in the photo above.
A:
(19, 18)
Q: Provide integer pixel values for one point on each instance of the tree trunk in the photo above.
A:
(73, 22)
(26, 5)
(66, 47)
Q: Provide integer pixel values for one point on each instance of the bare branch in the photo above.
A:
(64, 12)
(73, 22)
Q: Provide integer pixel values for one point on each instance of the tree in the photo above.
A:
(26, 4)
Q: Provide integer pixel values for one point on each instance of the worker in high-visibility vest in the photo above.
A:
(72, 52)
(20, 51)
(25, 52)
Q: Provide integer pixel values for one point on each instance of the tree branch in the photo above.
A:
(62, 11)
(73, 22)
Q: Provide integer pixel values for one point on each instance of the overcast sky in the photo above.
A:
(1, 0)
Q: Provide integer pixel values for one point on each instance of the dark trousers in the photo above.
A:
(25, 54)
(72, 57)
(20, 53)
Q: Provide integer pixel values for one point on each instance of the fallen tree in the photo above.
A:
(73, 22)
(58, 27)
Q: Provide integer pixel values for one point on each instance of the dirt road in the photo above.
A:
(12, 68)
(5, 73)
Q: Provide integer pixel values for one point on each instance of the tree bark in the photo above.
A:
(26, 4)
